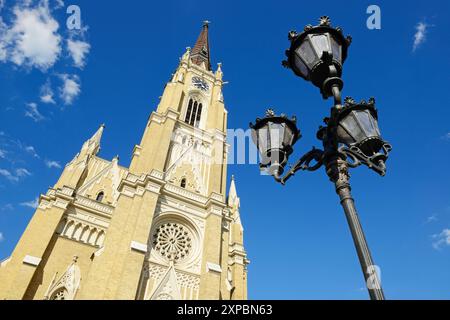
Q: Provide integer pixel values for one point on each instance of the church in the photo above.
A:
(166, 228)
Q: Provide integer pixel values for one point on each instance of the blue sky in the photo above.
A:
(55, 94)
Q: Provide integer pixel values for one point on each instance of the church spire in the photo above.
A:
(200, 53)
(92, 146)
(233, 199)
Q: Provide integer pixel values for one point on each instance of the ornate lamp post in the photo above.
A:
(350, 137)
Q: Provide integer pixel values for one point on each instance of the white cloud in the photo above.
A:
(8, 175)
(78, 51)
(21, 173)
(432, 218)
(31, 204)
(7, 207)
(446, 136)
(59, 4)
(52, 164)
(47, 93)
(47, 98)
(32, 39)
(441, 239)
(70, 88)
(2, 154)
(32, 151)
(421, 35)
(2, 237)
(33, 112)
(3, 49)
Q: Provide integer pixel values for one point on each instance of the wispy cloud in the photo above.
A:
(7, 207)
(442, 239)
(31, 204)
(16, 176)
(59, 4)
(421, 35)
(8, 175)
(2, 237)
(32, 151)
(70, 88)
(432, 218)
(22, 173)
(52, 164)
(17, 154)
(33, 112)
(446, 136)
(47, 93)
(78, 51)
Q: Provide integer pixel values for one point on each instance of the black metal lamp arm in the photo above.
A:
(303, 164)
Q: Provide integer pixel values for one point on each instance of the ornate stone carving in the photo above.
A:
(92, 204)
(190, 157)
(82, 231)
(179, 238)
(168, 288)
(172, 241)
(66, 287)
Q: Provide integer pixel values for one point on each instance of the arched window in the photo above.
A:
(189, 112)
(183, 183)
(193, 113)
(100, 196)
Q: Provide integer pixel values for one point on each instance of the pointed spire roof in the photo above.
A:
(200, 53)
(233, 199)
(93, 144)
(97, 137)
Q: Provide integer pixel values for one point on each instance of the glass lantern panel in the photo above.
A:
(306, 52)
(263, 136)
(365, 120)
(276, 135)
(350, 125)
(301, 66)
(288, 136)
(321, 44)
(375, 125)
(337, 50)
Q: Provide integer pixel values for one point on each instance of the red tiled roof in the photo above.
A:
(201, 52)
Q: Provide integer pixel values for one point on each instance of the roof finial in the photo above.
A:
(206, 23)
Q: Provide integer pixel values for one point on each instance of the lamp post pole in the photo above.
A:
(337, 170)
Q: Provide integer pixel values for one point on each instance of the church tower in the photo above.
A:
(164, 228)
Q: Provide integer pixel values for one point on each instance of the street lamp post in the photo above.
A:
(351, 136)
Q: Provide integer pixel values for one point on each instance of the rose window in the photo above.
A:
(172, 241)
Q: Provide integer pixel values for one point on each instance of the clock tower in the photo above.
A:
(164, 228)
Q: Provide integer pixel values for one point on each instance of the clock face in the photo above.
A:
(200, 83)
